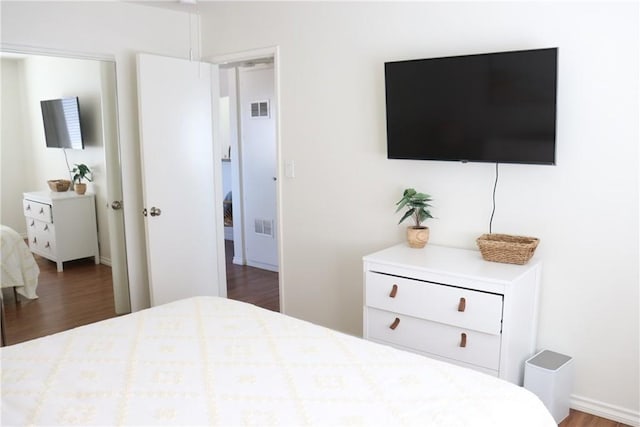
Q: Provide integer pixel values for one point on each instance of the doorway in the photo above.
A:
(249, 109)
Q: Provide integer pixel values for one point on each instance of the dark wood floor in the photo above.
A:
(83, 294)
(252, 285)
(581, 419)
(79, 295)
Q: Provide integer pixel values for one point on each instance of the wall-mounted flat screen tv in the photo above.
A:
(494, 107)
(61, 118)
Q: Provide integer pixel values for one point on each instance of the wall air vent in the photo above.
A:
(260, 109)
(263, 227)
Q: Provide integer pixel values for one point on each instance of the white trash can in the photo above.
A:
(549, 375)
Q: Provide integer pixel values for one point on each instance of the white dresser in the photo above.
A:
(61, 226)
(450, 304)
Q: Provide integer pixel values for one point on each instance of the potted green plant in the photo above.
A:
(81, 172)
(418, 209)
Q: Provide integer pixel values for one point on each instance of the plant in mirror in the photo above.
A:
(81, 172)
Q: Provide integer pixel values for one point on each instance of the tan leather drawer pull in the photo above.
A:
(462, 305)
(394, 291)
(463, 340)
(395, 323)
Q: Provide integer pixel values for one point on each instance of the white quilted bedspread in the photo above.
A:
(218, 362)
(19, 268)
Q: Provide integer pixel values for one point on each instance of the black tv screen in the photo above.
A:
(61, 118)
(494, 107)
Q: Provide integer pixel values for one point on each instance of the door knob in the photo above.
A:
(154, 211)
(116, 205)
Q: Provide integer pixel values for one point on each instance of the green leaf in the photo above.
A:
(424, 215)
(401, 204)
(418, 204)
(406, 215)
(81, 171)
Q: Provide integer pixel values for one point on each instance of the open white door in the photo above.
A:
(183, 223)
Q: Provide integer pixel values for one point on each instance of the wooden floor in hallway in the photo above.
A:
(252, 285)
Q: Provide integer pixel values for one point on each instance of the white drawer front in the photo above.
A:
(481, 312)
(430, 337)
(37, 210)
(41, 237)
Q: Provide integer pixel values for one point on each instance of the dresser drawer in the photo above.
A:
(430, 337)
(41, 237)
(465, 308)
(37, 210)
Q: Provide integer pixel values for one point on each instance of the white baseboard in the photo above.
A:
(263, 266)
(605, 410)
(242, 261)
(105, 261)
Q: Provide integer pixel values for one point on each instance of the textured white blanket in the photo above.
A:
(18, 266)
(218, 362)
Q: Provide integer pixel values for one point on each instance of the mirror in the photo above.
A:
(27, 166)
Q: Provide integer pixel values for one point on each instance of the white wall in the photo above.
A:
(50, 78)
(107, 29)
(340, 205)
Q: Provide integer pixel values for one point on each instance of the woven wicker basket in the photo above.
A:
(507, 249)
(59, 184)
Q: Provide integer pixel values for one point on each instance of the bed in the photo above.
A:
(219, 362)
(19, 269)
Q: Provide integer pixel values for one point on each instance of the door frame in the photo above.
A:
(113, 166)
(248, 55)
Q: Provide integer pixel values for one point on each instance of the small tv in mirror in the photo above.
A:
(61, 118)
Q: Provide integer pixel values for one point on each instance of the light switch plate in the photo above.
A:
(290, 169)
